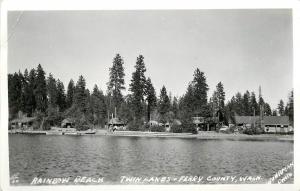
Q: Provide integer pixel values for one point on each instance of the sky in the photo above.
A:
(244, 49)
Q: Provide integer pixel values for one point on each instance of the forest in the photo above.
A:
(33, 93)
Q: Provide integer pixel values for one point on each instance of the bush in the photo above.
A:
(176, 128)
(81, 124)
(189, 127)
(253, 131)
(157, 128)
(135, 125)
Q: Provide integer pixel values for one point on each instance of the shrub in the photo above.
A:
(81, 124)
(135, 125)
(176, 128)
(157, 128)
(188, 127)
(253, 131)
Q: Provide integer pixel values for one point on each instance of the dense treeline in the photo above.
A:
(45, 97)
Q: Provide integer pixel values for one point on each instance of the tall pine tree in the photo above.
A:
(138, 86)
(246, 104)
(253, 104)
(98, 106)
(200, 88)
(164, 105)
(61, 96)
(291, 107)
(51, 91)
(281, 108)
(150, 97)
(40, 90)
(116, 81)
(80, 95)
(70, 93)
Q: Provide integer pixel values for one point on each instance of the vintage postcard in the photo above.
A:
(148, 97)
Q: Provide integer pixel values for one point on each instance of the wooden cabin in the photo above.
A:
(276, 124)
(117, 124)
(270, 124)
(22, 123)
(244, 122)
(68, 123)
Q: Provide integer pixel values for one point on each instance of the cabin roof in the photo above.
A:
(246, 119)
(116, 121)
(23, 120)
(266, 119)
(276, 120)
(67, 120)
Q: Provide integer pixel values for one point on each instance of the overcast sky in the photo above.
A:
(241, 48)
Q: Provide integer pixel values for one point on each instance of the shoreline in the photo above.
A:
(204, 135)
(201, 135)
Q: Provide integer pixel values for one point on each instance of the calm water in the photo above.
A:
(112, 157)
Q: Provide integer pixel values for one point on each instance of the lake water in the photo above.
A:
(114, 157)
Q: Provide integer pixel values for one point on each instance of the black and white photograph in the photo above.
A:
(150, 97)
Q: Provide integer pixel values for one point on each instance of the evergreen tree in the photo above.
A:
(70, 94)
(116, 80)
(175, 107)
(254, 104)
(274, 113)
(80, 95)
(214, 103)
(137, 87)
(281, 108)
(51, 91)
(24, 86)
(220, 95)
(291, 107)
(98, 106)
(30, 101)
(217, 101)
(40, 90)
(267, 109)
(200, 89)
(150, 97)
(126, 109)
(61, 96)
(14, 93)
(187, 104)
(164, 104)
(246, 104)
(230, 110)
(238, 105)
(261, 103)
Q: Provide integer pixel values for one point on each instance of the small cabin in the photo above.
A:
(276, 124)
(68, 123)
(153, 123)
(244, 122)
(23, 123)
(117, 124)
